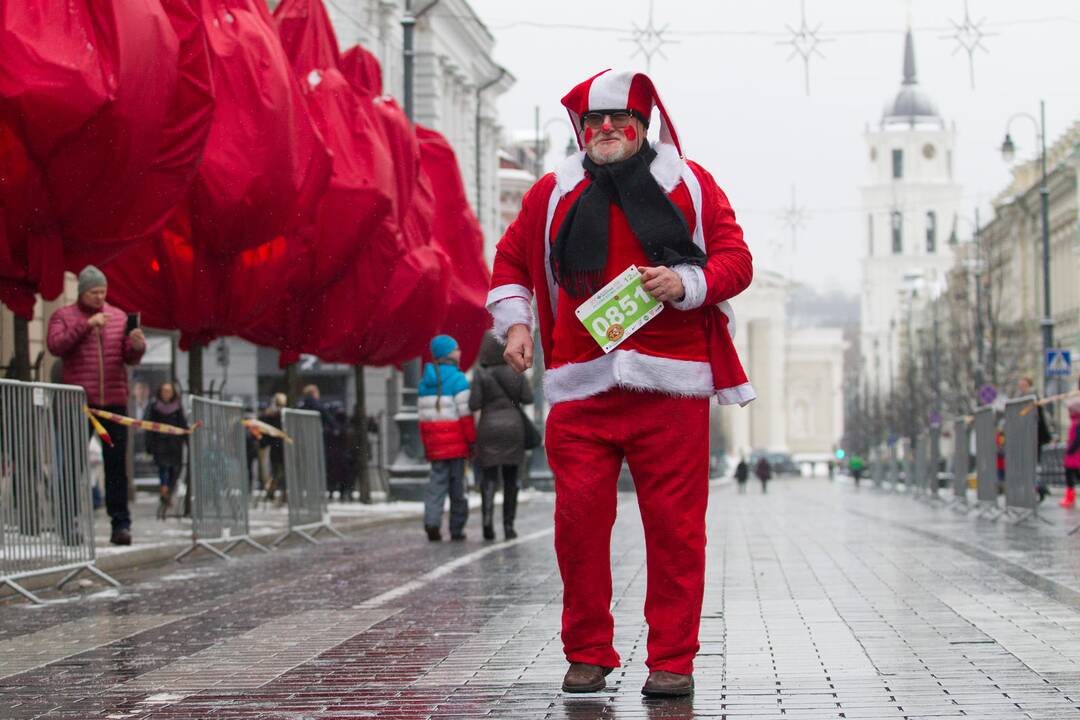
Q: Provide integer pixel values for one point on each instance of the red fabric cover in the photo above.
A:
(360, 194)
(177, 285)
(265, 165)
(105, 110)
(667, 449)
(93, 359)
(390, 300)
(224, 257)
(31, 251)
(457, 231)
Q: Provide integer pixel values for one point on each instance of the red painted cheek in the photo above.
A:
(630, 133)
(588, 135)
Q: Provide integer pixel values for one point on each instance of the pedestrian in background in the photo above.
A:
(1072, 453)
(498, 393)
(764, 473)
(272, 416)
(340, 460)
(448, 432)
(742, 474)
(856, 466)
(96, 343)
(167, 450)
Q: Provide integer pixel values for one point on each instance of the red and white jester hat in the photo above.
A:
(618, 90)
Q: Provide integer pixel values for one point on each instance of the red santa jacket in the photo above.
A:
(687, 350)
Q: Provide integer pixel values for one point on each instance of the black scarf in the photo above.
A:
(581, 245)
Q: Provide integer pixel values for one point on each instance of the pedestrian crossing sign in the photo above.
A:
(1058, 363)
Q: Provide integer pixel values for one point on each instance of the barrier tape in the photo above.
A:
(1048, 400)
(258, 428)
(163, 428)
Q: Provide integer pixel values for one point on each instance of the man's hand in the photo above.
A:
(97, 320)
(138, 339)
(662, 283)
(519, 348)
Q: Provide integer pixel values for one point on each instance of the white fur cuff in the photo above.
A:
(509, 312)
(693, 280)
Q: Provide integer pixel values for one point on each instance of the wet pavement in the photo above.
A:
(821, 602)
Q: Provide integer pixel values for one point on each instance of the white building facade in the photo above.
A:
(911, 208)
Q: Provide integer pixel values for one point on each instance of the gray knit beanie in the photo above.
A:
(91, 278)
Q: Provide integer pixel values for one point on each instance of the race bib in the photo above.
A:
(618, 310)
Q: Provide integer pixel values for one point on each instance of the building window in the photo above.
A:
(931, 232)
(897, 232)
(870, 235)
(897, 163)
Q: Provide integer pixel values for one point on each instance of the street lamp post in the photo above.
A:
(409, 466)
(1008, 152)
(539, 470)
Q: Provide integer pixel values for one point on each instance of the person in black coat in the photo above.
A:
(763, 470)
(168, 450)
(742, 472)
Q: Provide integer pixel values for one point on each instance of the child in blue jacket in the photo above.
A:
(446, 427)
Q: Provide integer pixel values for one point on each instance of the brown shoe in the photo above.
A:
(662, 683)
(585, 678)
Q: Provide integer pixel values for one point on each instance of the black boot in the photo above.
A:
(433, 534)
(510, 493)
(487, 506)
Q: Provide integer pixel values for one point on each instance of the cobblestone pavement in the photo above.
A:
(822, 602)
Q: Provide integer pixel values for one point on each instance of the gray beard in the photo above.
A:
(621, 154)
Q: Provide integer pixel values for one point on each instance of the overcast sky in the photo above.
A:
(742, 111)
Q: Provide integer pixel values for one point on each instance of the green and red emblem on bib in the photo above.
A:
(618, 310)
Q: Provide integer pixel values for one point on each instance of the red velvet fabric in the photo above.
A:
(265, 165)
(104, 112)
(227, 254)
(391, 299)
(457, 232)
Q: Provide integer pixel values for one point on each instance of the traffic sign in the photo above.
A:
(1058, 363)
(987, 394)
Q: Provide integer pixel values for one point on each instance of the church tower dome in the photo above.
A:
(912, 105)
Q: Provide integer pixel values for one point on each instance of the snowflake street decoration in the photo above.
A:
(649, 40)
(968, 36)
(794, 218)
(804, 42)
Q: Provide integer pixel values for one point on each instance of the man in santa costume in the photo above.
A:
(620, 203)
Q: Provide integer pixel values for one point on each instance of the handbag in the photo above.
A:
(533, 438)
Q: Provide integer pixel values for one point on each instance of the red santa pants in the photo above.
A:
(665, 441)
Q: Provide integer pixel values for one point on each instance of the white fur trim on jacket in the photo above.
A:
(628, 369)
(508, 291)
(741, 395)
(667, 169)
(509, 312)
(693, 281)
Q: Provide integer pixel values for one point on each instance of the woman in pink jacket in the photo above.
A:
(1072, 453)
(95, 344)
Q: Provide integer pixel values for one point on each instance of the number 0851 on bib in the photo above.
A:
(618, 310)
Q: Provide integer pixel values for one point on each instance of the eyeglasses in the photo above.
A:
(619, 118)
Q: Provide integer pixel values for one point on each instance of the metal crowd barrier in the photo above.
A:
(893, 469)
(933, 483)
(305, 475)
(961, 460)
(986, 474)
(220, 490)
(1052, 465)
(877, 466)
(46, 512)
(1021, 458)
(921, 462)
